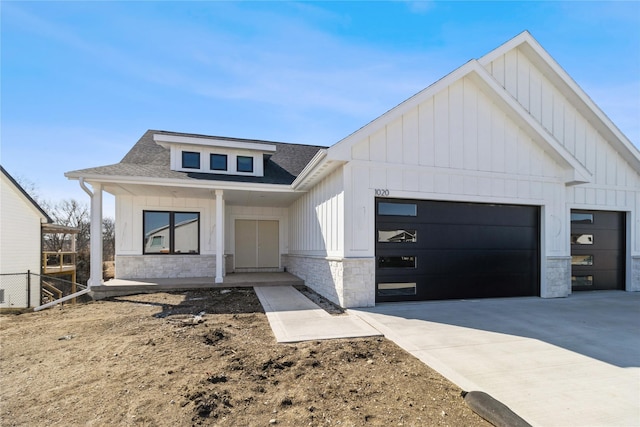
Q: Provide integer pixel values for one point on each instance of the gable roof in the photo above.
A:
(578, 97)
(147, 159)
(26, 196)
(576, 172)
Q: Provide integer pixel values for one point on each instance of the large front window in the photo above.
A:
(171, 232)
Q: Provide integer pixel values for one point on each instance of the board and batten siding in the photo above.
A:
(129, 224)
(616, 185)
(316, 225)
(20, 231)
(456, 145)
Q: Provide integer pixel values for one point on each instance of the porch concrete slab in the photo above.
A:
(120, 287)
(294, 317)
(555, 362)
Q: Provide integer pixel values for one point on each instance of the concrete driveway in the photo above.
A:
(555, 362)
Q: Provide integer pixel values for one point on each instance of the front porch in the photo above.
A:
(121, 287)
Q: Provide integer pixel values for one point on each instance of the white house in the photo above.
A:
(501, 179)
(21, 219)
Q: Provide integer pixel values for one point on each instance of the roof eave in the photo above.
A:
(179, 183)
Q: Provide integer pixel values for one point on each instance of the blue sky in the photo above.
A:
(82, 81)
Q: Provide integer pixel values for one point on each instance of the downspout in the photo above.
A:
(84, 187)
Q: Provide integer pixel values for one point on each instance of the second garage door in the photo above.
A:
(427, 250)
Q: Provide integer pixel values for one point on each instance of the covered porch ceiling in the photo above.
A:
(270, 196)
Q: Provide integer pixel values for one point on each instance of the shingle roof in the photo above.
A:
(150, 160)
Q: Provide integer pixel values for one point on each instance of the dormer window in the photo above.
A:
(190, 160)
(245, 164)
(218, 162)
(220, 156)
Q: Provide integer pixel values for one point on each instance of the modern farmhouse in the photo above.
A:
(501, 179)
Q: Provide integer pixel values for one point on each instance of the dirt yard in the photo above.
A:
(206, 358)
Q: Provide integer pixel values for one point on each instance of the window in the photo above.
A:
(396, 289)
(171, 232)
(397, 209)
(397, 236)
(397, 262)
(218, 162)
(244, 164)
(190, 160)
(581, 280)
(157, 241)
(581, 218)
(582, 239)
(581, 259)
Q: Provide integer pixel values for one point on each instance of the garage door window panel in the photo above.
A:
(582, 239)
(397, 262)
(397, 236)
(396, 289)
(582, 260)
(397, 209)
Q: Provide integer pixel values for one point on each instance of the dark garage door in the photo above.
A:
(428, 250)
(597, 250)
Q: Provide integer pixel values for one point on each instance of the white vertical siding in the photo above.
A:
(20, 250)
(129, 234)
(616, 185)
(316, 218)
(467, 149)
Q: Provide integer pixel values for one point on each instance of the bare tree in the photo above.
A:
(108, 239)
(72, 213)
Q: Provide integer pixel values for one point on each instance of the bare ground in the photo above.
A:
(206, 358)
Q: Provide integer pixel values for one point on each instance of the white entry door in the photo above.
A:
(257, 244)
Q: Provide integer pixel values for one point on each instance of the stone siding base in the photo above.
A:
(558, 277)
(164, 266)
(348, 282)
(634, 282)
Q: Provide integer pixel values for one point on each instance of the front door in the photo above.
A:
(257, 244)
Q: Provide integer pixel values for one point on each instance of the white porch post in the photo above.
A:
(95, 274)
(219, 235)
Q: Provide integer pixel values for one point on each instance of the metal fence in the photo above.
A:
(21, 290)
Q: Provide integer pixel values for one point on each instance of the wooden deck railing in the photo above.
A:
(58, 262)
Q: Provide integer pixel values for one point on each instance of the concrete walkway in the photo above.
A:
(294, 317)
(555, 362)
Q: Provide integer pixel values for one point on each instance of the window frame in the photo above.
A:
(189, 153)
(172, 224)
(238, 169)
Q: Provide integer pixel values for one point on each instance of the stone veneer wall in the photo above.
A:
(348, 282)
(558, 275)
(634, 285)
(164, 266)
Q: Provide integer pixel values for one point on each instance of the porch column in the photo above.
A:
(95, 273)
(219, 235)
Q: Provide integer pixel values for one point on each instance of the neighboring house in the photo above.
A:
(21, 221)
(501, 179)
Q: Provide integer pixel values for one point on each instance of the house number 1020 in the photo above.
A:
(382, 192)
